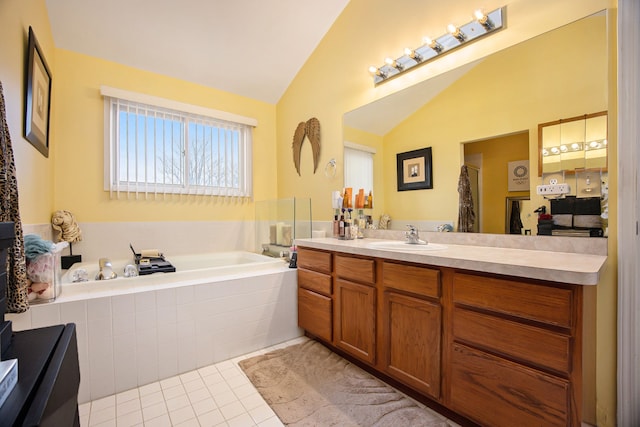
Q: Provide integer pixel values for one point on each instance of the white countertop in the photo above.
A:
(563, 267)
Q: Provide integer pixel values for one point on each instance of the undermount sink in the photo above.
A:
(397, 245)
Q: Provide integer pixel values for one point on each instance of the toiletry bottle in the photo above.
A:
(341, 227)
(370, 200)
(336, 226)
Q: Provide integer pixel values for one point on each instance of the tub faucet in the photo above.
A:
(412, 236)
(106, 270)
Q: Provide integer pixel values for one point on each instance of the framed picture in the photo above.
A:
(38, 97)
(414, 170)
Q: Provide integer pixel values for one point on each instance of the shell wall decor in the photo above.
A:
(310, 129)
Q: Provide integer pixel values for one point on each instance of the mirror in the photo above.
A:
(562, 73)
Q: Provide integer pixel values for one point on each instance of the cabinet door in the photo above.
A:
(355, 308)
(494, 391)
(412, 337)
(314, 313)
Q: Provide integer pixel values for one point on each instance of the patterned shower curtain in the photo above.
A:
(466, 215)
(17, 301)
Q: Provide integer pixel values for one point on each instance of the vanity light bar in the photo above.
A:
(455, 37)
(576, 146)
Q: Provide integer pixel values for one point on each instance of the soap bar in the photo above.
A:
(149, 253)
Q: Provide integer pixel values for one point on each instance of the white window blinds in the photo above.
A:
(358, 167)
(154, 150)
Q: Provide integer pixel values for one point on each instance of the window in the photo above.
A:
(156, 146)
(358, 166)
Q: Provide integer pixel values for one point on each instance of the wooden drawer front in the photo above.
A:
(314, 314)
(314, 260)
(417, 280)
(523, 342)
(493, 391)
(314, 281)
(536, 302)
(356, 269)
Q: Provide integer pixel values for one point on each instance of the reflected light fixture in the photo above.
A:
(481, 25)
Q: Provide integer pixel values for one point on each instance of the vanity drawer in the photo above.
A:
(540, 303)
(315, 314)
(314, 281)
(417, 280)
(314, 260)
(527, 343)
(494, 391)
(356, 269)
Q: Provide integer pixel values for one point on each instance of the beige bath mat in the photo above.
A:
(308, 385)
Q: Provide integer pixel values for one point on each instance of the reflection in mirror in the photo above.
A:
(519, 218)
(562, 73)
(577, 143)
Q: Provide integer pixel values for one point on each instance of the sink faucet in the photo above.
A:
(412, 236)
(106, 270)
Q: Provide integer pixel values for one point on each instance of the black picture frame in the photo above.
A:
(37, 97)
(415, 171)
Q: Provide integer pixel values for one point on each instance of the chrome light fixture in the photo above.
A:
(456, 36)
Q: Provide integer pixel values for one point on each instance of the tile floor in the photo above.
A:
(216, 395)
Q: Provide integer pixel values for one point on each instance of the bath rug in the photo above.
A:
(308, 385)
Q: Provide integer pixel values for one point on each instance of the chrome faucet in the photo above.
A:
(412, 236)
(106, 270)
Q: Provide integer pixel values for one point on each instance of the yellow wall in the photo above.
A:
(34, 171)
(79, 130)
(496, 153)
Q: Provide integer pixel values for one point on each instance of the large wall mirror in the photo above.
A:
(562, 73)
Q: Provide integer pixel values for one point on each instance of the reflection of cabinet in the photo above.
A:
(355, 315)
(500, 351)
(411, 329)
(574, 143)
(314, 293)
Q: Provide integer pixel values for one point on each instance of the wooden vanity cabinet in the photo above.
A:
(515, 354)
(355, 307)
(412, 323)
(498, 350)
(315, 314)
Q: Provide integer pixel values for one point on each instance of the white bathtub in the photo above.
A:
(190, 270)
(135, 331)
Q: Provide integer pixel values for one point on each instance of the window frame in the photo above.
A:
(187, 114)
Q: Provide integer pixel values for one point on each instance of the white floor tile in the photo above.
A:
(161, 421)
(232, 410)
(154, 411)
(242, 420)
(181, 415)
(130, 419)
(211, 419)
(152, 399)
(261, 413)
(215, 395)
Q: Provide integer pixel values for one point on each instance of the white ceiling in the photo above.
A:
(252, 48)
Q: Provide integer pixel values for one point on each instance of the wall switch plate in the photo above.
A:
(553, 189)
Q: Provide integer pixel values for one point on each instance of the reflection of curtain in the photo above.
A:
(515, 223)
(466, 216)
(16, 265)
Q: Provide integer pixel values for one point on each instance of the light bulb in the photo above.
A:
(432, 44)
(456, 32)
(555, 150)
(563, 148)
(575, 146)
(412, 54)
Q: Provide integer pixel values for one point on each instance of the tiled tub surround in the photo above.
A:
(132, 339)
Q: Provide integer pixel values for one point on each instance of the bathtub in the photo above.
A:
(190, 270)
(135, 331)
